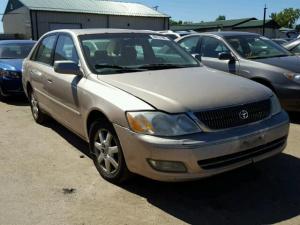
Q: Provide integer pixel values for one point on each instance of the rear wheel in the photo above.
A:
(37, 114)
(107, 152)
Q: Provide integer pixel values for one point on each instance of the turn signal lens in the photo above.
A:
(139, 123)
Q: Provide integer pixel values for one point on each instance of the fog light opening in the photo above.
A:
(167, 166)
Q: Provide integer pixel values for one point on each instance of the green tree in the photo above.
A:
(221, 17)
(287, 17)
(174, 22)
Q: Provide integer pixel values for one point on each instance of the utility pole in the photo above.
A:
(156, 7)
(264, 23)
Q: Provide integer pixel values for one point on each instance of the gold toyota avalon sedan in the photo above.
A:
(147, 107)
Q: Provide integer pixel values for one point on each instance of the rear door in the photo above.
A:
(211, 47)
(39, 66)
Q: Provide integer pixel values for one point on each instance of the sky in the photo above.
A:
(208, 10)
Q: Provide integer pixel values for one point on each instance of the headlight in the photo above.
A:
(161, 124)
(297, 78)
(9, 74)
(275, 105)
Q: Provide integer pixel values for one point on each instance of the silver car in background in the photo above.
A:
(147, 107)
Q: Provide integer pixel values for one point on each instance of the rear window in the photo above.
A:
(15, 50)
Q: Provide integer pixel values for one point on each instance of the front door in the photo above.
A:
(211, 47)
(63, 88)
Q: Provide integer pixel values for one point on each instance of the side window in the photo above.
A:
(190, 44)
(296, 50)
(211, 47)
(45, 49)
(65, 49)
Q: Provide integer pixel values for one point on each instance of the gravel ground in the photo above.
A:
(47, 177)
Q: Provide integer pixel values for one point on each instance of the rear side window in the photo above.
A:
(45, 50)
(65, 49)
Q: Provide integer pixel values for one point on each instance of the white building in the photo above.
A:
(33, 18)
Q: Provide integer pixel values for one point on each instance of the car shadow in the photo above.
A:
(295, 117)
(16, 101)
(69, 136)
(264, 193)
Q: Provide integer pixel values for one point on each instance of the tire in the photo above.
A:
(107, 152)
(37, 114)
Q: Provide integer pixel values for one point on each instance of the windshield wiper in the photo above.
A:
(116, 67)
(163, 66)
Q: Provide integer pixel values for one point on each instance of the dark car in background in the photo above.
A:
(293, 46)
(12, 54)
(251, 56)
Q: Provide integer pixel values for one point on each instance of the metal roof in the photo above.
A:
(258, 23)
(213, 24)
(93, 7)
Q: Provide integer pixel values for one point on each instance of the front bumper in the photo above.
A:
(289, 96)
(11, 86)
(194, 149)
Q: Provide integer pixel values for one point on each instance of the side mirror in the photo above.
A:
(226, 56)
(197, 56)
(67, 67)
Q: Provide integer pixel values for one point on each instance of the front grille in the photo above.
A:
(227, 160)
(231, 117)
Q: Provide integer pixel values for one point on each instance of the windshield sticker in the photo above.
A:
(158, 37)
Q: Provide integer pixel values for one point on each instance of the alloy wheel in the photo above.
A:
(106, 151)
(34, 106)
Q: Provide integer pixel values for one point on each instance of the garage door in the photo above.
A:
(57, 26)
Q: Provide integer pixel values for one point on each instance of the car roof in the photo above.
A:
(292, 44)
(17, 42)
(231, 33)
(225, 33)
(103, 31)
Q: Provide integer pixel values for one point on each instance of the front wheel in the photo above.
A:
(37, 114)
(107, 152)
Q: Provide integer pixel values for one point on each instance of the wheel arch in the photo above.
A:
(94, 115)
(264, 82)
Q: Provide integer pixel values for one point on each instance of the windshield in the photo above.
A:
(15, 50)
(256, 47)
(115, 53)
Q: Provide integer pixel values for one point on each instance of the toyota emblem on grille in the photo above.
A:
(244, 114)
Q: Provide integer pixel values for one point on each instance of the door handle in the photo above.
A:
(36, 72)
(49, 80)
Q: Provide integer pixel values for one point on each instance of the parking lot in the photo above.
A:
(47, 177)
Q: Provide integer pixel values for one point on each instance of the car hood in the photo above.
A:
(188, 89)
(11, 64)
(291, 63)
